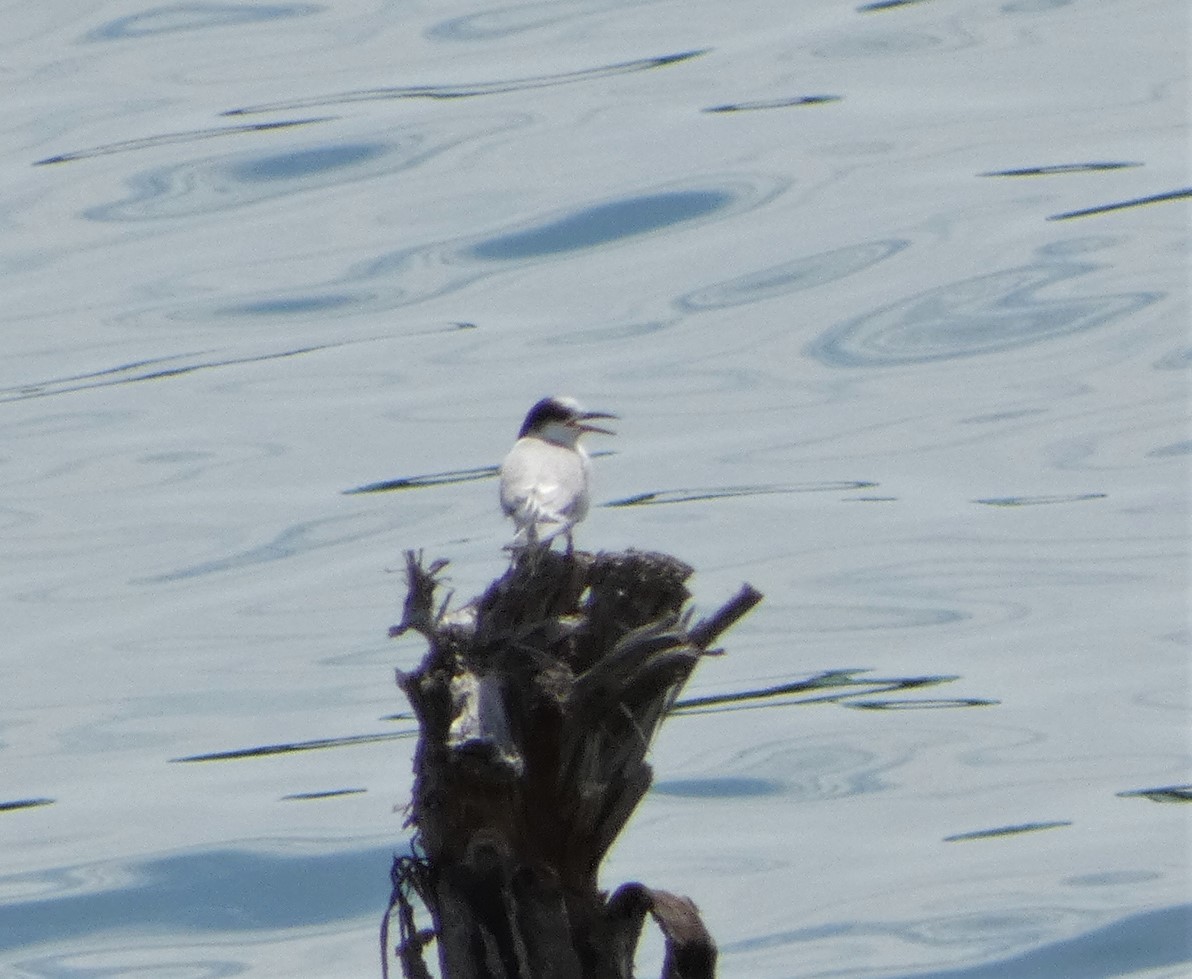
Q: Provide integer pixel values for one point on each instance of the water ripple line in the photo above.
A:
(500, 23)
(657, 497)
(1000, 831)
(1166, 793)
(986, 314)
(182, 17)
(472, 89)
(13, 805)
(1049, 170)
(325, 794)
(876, 5)
(285, 748)
(1015, 501)
(429, 479)
(805, 272)
(1172, 195)
(839, 686)
(778, 103)
(235, 180)
(166, 139)
(155, 369)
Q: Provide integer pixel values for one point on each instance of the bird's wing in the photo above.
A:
(544, 493)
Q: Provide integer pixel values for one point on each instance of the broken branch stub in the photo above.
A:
(537, 703)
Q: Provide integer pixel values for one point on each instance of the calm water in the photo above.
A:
(892, 299)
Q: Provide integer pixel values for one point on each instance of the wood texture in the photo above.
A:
(537, 704)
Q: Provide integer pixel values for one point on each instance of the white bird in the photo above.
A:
(545, 477)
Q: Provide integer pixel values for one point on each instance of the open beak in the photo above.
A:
(582, 422)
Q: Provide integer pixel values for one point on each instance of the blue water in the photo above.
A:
(892, 302)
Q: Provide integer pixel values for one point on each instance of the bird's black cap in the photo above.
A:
(559, 409)
(548, 410)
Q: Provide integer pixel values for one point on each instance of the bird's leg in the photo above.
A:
(570, 543)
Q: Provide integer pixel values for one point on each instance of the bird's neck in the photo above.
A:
(565, 438)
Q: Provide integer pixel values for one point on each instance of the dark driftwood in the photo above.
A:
(537, 704)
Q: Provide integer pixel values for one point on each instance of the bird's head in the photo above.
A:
(561, 420)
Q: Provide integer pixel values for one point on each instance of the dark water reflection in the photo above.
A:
(848, 687)
(429, 479)
(1183, 448)
(1062, 168)
(866, 8)
(782, 103)
(1171, 195)
(718, 788)
(601, 224)
(327, 302)
(12, 805)
(224, 890)
(706, 493)
(1166, 793)
(297, 164)
(235, 180)
(289, 747)
(1000, 831)
(1012, 501)
(414, 275)
(327, 794)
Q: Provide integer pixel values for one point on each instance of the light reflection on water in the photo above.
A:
(280, 282)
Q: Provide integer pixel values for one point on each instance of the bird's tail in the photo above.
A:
(537, 527)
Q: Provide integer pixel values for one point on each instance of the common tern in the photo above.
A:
(545, 477)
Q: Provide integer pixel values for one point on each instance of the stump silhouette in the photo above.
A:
(537, 703)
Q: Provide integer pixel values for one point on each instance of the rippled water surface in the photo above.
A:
(892, 300)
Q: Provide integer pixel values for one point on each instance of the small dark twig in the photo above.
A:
(419, 611)
(394, 897)
(406, 876)
(705, 632)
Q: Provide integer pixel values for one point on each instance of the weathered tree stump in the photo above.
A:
(537, 703)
